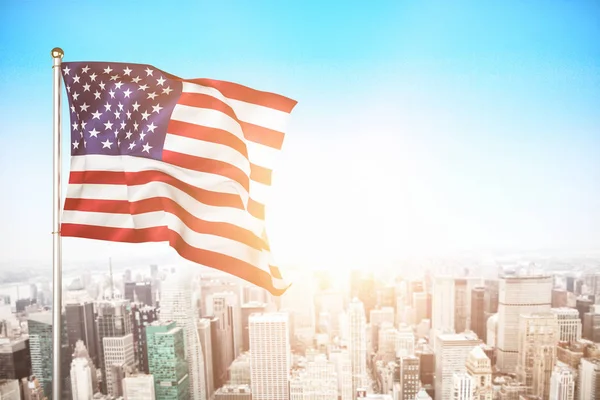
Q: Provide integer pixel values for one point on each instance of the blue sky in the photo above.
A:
(422, 126)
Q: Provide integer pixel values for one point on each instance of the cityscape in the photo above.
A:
(517, 330)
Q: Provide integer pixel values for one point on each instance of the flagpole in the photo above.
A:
(57, 55)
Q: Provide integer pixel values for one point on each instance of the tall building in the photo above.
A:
(443, 309)
(15, 359)
(83, 374)
(269, 356)
(409, 377)
(589, 379)
(139, 292)
(518, 295)
(538, 336)
(358, 344)
(166, 361)
(422, 304)
(451, 352)
(317, 380)
(81, 326)
(113, 320)
(478, 315)
(119, 359)
(591, 326)
(247, 310)
(223, 309)
(405, 341)
(40, 345)
(462, 386)
(176, 305)
(141, 316)
(569, 324)
(139, 387)
(204, 333)
(479, 368)
(562, 383)
(239, 372)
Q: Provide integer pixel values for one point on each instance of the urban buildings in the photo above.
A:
(139, 387)
(451, 353)
(357, 344)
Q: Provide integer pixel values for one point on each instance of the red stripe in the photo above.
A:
(143, 177)
(207, 134)
(201, 100)
(249, 95)
(207, 165)
(256, 209)
(262, 135)
(260, 174)
(166, 204)
(208, 258)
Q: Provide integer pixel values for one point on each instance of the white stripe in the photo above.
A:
(200, 148)
(247, 112)
(262, 155)
(212, 182)
(214, 243)
(151, 190)
(259, 192)
(207, 117)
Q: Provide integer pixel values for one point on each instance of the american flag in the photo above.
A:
(157, 158)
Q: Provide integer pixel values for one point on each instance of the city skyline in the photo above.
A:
(420, 129)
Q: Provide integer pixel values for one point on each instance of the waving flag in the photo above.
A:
(187, 161)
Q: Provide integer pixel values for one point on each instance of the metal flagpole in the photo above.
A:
(57, 55)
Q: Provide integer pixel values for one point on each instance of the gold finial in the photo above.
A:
(57, 52)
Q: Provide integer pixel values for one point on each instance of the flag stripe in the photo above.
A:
(256, 209)
(248, 95)
(160, 204)
(260, 174)
(207, 117)
(144, 177)
(232, 248)
(207, 165)
(262, 135)
(208, 258)
(127, 164)
(152, 190)
(207, 134)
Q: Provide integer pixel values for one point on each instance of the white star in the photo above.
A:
(76, 79)
(126, 71)
(106, 144)
(68, 89)
(131, 145)
(76, 144)
(84, 107)
(86, 87)
(148, 71)
(81, 133)
(94, 133)
(108, 125)
(102, 84)
(136, 79)
(118, 85)
(75, 126)
(160, 81)
(143, 87)
(96, 94)
(167, 90)
(107, 70)
(135, 106)
(114, 77)
(75, 95)
(117, 114)
(128, 134)
(83, 124)
(112, 94)
(118, 143)
(127, 93)
(123, 124)
(93, 77)
(142, 136)
(107, 106)
(128, 115)
(97, 115)
(145, 115)
(72, 108)
(157, 108)
(66, 70)
(116, 134)
(135, 126)
(151, 127)
(152, 95)
(147, 148)
(120, 106)
(85, 69)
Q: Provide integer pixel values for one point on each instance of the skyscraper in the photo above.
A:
(478, 319)
(81, 326)
(269, 356)
(204, 332)
(589, 379)
(409, 377)
(443, 305)
(479, 368)
(358, 344)
(40, 342)
(177, 305)
(15, 359)
(141, 316)
(139, 387)
(166, 361)
(83, 374)
(462, 386)
(518, 295)
(451, 352)
(562, 383)
(119, 358)
(222, 305)
(569, 324)
(247, 310)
